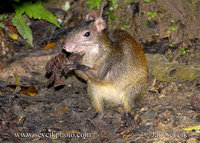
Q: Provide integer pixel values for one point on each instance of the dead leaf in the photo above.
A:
(61, 111)
(17, 78)
(26, 90)
(10, 28)
(72, 131)
(192, 128)
(1, 68)
(13, 36)
(49, 46)
(20, 119)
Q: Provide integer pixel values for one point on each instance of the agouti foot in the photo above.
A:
(127, 120)
(127, 123)
(98, 123)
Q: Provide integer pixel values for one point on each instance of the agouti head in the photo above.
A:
(85, 37)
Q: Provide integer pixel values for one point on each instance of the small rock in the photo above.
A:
(196, 102)
(192, 140)
(162, 96)
(140, 141)
(3, 84)
(144, 109)
(197, 131)
(148, 115)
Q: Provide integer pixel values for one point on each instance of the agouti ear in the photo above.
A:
(89, 17)
(99, 24)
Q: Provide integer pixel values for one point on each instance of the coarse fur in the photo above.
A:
(114, 64)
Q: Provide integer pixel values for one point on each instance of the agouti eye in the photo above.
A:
(87, 34)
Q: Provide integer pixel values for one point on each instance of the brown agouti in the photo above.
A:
(113, 64)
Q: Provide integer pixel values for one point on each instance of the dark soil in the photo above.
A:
(64, 114)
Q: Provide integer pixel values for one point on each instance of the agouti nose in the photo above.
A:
(69, 47)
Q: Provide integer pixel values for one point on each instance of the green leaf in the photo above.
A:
(172, 28)
(2, 16)
(172, 44)
(36, 11)
(94, 3)
(152, 14)
(147, 0)
(126, 26)
(2, 25)
(129, 1)
(183, 51)
(115, 5)
(61, 121)
(19, 10)
(23, 28)
(111, 8)
(112, 16)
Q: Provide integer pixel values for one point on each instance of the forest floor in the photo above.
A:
(31, 112)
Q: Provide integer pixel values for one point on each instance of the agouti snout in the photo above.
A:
(113, 64)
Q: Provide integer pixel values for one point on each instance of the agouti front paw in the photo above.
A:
(77, 66)
(72, 66)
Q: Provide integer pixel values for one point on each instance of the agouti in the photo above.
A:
(113, 64)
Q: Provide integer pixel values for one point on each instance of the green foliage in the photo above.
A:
(127, 1)
(2, 25)
(23, 28)
(97, 3)
(125, 26)
(172, 44)
(184, 51)
(152, 14)
(114, 2)
(94, 3)
(110, 15)
(1, 18)
(36, 11)
(172, 28)
(147, 0)
(32, 10)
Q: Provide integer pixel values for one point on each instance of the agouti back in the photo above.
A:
(113, 64)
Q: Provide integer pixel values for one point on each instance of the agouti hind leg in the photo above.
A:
(99, 106)
(128, 102)
(97, 120)
(126, 117)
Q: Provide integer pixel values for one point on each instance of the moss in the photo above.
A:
(160, 68)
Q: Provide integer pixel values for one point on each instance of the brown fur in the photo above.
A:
(117, 68)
